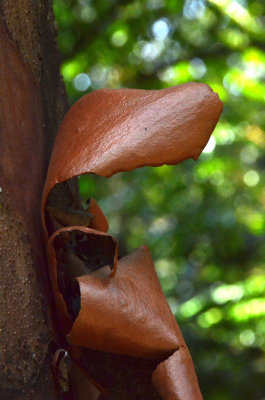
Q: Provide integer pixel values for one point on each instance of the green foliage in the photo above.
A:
(204, 222)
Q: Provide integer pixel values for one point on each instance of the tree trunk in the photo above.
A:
(32, 104)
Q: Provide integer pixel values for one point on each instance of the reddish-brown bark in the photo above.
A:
(123, 311)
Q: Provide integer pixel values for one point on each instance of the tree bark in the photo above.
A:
(32, 104)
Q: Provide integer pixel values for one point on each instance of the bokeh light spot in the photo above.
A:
(251, 178)
(197, 68)
(161, 28)
(82, 82)
(210, 317)
(247, 337)
(193, 9)
(249, 154)
(191, 307)
(119, 38)
(225, 293)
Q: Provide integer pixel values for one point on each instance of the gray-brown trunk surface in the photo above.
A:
(32, 104)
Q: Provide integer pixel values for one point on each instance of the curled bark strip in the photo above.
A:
(65, 319)
(99, 221)
(175, 378)
(110, 131)
(125, 312)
